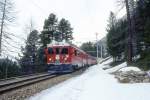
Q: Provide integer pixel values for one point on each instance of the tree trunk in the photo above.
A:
(129, 36)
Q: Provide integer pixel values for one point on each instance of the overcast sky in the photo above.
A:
(86, 16)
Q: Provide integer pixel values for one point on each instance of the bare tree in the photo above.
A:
(7, 17)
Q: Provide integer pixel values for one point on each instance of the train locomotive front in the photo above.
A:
(66, 58)
(58, 59)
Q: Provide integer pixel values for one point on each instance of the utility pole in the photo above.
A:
(2, 26)
(97, 45)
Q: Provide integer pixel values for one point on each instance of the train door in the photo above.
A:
(57, 55)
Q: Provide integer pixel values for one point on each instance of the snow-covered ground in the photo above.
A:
(96, 84)
(129, 68)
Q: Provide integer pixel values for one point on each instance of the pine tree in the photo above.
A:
(50, 27)
(89, 47)
(9, 68)
(116, 37)
(111, 33)
(142, 24)
(30, 51)
(143, 32)
(64, 27)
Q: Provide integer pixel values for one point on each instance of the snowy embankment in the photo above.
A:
(95, 84)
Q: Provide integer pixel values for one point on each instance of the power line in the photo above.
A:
(21, 38)
(35, 4)
(11, 44)
(9, 50)
(12, 40)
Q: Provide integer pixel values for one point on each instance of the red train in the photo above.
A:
(64, 58)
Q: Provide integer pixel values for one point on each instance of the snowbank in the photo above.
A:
(121, 67)
(116, 68)
(131, 68)
(107, 62)
(95, 84)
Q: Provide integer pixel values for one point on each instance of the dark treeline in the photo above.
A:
(9, 68)
(117, 37)
(89, 47)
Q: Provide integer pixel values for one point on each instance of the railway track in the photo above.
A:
(12, 85)
(6, 85)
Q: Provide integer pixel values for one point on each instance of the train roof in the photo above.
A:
(54, 43)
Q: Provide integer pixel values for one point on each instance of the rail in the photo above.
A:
(8, 86)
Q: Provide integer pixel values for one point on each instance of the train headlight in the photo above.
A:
(50, 59)
(57, 57)
(66, 57)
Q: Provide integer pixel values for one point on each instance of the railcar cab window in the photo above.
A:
(75, 52)
(64, 51)
(50, 51)
(57, 50)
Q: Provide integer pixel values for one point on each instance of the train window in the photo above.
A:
(57, 50)
(75, 52)
(64, 51)
(50, 51)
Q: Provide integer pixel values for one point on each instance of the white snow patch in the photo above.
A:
(106, 63)
(116, 68)
(95, 84)
(131, 68)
